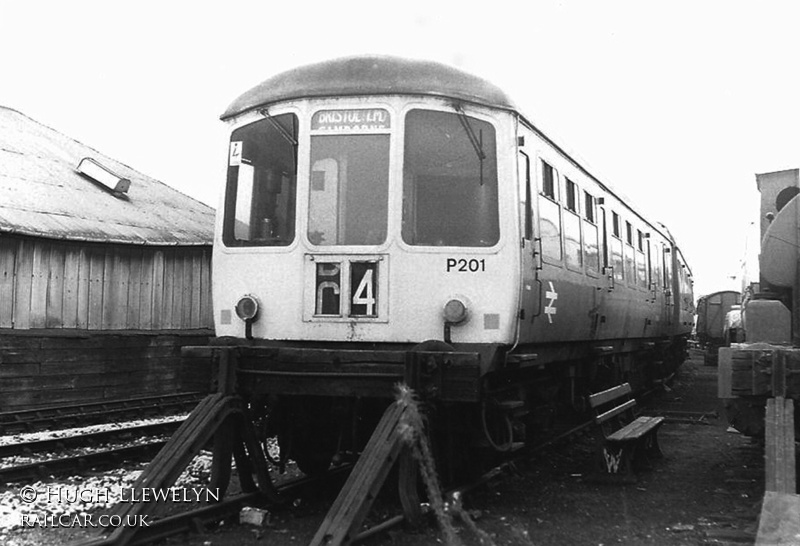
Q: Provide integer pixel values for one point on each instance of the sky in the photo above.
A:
(676, 105)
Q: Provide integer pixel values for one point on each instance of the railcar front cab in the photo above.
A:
(378, 220)
(365, 223)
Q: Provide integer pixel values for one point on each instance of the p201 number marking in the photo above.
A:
(462, 265)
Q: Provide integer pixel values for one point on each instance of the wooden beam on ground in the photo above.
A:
(779, 449)
(779, 523)
(348, 511)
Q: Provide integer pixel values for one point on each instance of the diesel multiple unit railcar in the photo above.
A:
(378, 207)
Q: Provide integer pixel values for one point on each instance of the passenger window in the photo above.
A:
(617, 261)
(550, 214)
(630, 266)
(657, 265)
(641, 260)
(572, 227)
(588, 207)
(572, 195)
(591, 251)
(549, 184)
(667, 268)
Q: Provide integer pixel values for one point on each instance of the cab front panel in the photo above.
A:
(382, 220)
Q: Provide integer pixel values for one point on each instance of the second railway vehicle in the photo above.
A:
(377, 208)
(712, 314)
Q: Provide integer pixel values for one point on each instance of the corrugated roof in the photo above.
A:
(42, 194)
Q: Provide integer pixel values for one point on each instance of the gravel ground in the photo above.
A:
(707, 490)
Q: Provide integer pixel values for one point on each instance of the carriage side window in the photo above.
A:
(591, 251)
(630, 266)
(550, 215)
(549, 181)
(667, 268)
(572, 227)
(449, 180)
(572, 195)
(588, 207)
(641, 260)
(261, 185)
(657, 252)
(617, 261)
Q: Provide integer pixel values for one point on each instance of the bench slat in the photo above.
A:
(603, 397)
(636, 429)
(603, 417)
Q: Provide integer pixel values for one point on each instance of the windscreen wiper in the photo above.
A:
(475, 140)
(282, 131)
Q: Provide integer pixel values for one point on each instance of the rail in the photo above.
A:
(95, 412)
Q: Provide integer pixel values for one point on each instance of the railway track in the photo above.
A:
(89, 439)
(95, 460)
(79, 415)
(48, 465)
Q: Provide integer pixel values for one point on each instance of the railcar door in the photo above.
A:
(608, 271)
(669, 289)
(531, 255)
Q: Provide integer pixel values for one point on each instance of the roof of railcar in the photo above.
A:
(370, 75)
(43, 195)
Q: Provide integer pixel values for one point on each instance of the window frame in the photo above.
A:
(400, 130)
(229, 205)
(550, 201)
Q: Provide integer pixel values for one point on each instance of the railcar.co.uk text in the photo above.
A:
(48, 497)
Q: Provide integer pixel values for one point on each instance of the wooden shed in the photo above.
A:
(104, 273)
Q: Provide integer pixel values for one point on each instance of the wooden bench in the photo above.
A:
(624, 440)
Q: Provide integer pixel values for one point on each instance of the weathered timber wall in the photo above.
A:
(46, 284)
(39, 369)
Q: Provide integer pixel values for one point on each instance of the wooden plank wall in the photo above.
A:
(91, 322)
(41, 371)
(67, 285)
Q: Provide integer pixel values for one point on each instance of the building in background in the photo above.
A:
(104, 273)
